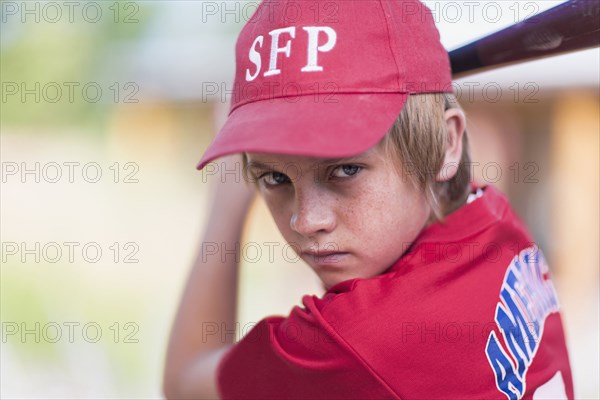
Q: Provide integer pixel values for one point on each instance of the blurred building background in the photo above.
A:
(136, 90)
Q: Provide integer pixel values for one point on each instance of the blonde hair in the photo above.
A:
(418, 141)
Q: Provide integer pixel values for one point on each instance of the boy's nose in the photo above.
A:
(313, 214)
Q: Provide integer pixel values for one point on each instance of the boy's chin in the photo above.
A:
(328, 284)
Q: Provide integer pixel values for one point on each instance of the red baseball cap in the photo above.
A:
(328, 78)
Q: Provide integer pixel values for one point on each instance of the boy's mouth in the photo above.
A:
(325, 257)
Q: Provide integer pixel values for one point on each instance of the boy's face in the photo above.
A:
(346, 218)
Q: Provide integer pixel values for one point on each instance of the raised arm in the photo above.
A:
(209, 299)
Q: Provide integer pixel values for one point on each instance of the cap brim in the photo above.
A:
(332, 126)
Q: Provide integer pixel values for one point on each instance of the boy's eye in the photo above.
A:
(344, 171)
(274, 178)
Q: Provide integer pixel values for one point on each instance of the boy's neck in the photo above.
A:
(473, 191)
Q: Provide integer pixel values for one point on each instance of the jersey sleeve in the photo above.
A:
(297, 357)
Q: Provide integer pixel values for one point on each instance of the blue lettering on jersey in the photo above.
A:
(527, 297)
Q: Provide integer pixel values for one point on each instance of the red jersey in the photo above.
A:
(469, 311)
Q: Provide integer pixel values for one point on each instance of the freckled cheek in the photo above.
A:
(365, 219)
(389, 214)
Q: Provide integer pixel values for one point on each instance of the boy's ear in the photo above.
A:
(456, 124)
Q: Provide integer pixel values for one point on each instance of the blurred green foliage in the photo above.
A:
(45, 50)
(31, 294)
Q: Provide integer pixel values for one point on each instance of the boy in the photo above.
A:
(345, 121)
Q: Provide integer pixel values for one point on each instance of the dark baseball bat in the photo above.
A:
(570, 26)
